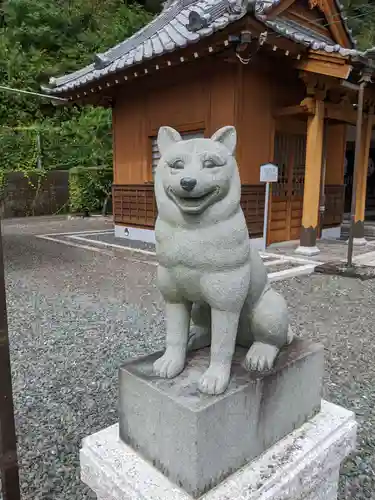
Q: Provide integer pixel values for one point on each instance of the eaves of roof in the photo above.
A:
(305, 36)
(185, 22)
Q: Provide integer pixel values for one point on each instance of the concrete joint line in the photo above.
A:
(112, 245)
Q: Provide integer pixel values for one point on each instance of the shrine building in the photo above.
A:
(285, 73)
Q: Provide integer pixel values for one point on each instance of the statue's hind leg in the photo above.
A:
(200, 333)
(269, 325)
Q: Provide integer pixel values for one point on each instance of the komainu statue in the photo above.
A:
(214, 283)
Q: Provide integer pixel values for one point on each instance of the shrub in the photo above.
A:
(90, 189)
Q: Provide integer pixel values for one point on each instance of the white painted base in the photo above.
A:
(305, 464)
(359, 242)
(135, 233)
(331, 233)
(148, 235)
(307, 251)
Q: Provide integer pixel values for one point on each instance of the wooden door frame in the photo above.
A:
(291, 151)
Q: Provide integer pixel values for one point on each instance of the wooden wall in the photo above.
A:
(193, 97)
(334, 177)
(255, 124)
(205, 95)
(336, 147)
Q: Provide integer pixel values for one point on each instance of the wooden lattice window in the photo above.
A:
(197, 134)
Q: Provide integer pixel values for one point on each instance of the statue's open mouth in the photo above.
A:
(193, 204)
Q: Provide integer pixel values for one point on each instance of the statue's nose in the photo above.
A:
(188, 183)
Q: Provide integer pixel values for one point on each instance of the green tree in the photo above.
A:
(361, 19)
(40, 38)
(43, 38)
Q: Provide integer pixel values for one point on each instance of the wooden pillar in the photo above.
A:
(313, 171)
(361, 182)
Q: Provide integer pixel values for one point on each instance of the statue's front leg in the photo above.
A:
(224, 332)
(173, 360)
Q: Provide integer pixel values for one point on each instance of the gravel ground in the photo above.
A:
(75, 315)
(340, 313)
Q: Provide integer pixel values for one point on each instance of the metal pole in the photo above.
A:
(8, 442)
(265, 223)
(357, 153)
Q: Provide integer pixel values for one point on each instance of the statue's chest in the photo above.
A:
(190, 249)
(204, 249)
(188, 282)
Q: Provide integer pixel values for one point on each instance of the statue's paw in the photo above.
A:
(214, 381)
(261, 357)
(169, 366)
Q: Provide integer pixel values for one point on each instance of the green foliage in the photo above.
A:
(89, 188)
(361, 18)
(40, 38)
(84, 140)
(43, 38)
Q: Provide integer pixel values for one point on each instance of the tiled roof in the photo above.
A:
(167, 32)
(181, 23)
(303, 35)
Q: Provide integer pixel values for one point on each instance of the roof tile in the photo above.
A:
(173, 28)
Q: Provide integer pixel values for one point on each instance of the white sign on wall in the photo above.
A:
(269, 173)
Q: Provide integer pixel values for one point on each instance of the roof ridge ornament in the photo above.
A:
(199, 21)
(101, 61)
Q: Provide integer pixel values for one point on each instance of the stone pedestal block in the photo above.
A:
(197, 440)
(302, 466)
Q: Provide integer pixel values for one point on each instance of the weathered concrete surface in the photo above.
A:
(198, 440)
(302, 466)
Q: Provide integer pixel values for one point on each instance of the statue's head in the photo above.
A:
(197, 174)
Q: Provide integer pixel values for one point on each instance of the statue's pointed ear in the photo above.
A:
(227, 136)
(167, 136)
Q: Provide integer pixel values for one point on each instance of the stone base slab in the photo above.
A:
(309, 251)
(302, 466)
(198, 440)
(359, 242)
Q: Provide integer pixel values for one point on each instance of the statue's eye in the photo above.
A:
(209, 163)
(177, 164)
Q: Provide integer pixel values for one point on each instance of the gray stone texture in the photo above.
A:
(198, 440)
(302, 466)
(208, 273)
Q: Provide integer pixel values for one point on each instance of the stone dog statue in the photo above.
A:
(208, 272)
